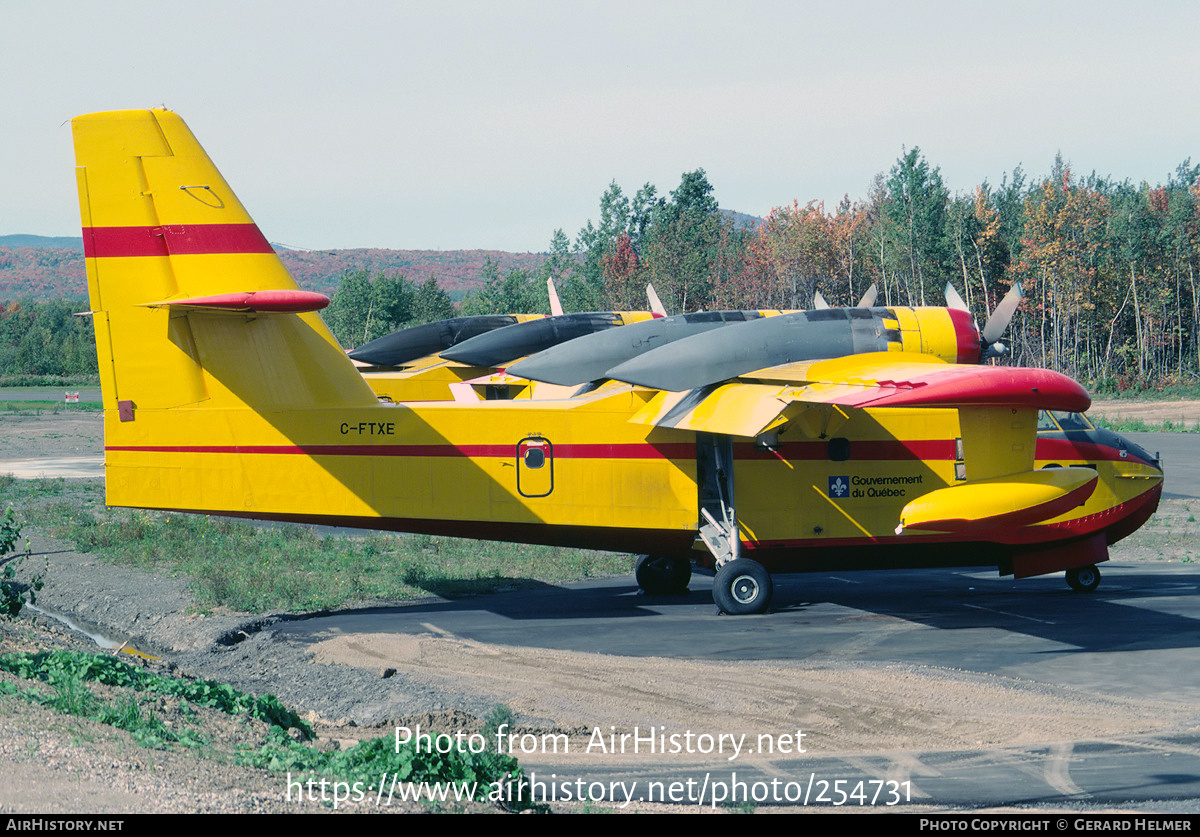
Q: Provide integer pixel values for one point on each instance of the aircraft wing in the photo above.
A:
(997, 409)
(759, 401)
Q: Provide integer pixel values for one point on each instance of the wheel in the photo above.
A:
(742, 586)
(658, 576)
(1084, 579)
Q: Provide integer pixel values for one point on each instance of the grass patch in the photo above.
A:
(1137, 425)
(122, 703)
(37, 408)
(17, 381)
(1171, 535)
(270, 567)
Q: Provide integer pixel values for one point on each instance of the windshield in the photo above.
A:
(1051, 421)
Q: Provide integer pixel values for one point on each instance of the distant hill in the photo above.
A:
(50, 267)
(742, 221)
(63, 241)
(457, 271)
(46, 271)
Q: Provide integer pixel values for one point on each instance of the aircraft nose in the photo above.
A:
(1127, 448)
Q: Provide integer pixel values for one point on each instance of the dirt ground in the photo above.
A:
(50, 763)
(1182, 412)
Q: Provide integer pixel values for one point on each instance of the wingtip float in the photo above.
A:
(224, 393)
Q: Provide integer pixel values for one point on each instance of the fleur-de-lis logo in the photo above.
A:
(839, 486)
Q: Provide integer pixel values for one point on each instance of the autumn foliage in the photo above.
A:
(1108, 268)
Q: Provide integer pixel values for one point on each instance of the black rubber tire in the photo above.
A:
(1084, 579)
(660, 576)
(742, 586)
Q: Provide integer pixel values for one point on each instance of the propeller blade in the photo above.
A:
(868, 299)
(556, 308)
(953, 300)
(997, 324)
(819, 301)
(656, 305)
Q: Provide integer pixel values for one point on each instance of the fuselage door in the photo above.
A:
(535, 467)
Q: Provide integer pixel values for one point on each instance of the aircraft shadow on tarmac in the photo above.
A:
(1121, 615)
(1136, 608)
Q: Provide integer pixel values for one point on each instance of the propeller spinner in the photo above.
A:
(996, 324)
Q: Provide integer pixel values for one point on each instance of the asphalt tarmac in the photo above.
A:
(1180, 455)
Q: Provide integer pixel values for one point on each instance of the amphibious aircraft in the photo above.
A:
(224, 393)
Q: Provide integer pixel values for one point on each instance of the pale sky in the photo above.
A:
(447, 125)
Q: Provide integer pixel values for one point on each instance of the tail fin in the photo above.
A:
(191, 304)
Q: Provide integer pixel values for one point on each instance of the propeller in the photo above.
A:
(996, 324)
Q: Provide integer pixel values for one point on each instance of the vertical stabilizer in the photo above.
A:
(162, 227)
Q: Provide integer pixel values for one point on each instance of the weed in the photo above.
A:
(14, 596)
(500, 716)
(486, 773)
(68, 671)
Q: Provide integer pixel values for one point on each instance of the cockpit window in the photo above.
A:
(1045, 422)
(1052, 421)
(1072, 421)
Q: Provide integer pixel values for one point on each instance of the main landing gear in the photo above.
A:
(742, 586)
(1084, 579)
(659, 576)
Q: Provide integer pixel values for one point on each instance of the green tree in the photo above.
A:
(918, 207)
(516, 292)
(680, 250)
(363, 309)
(431, 303)
(46, 338)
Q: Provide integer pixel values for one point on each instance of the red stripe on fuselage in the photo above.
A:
(564, 451)
(173, 240)
(928, 450)
(860, 451)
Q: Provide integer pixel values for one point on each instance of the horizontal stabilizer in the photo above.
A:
(258, 302)
(1014, 500)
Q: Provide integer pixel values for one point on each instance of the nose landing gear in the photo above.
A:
(1084, 579)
